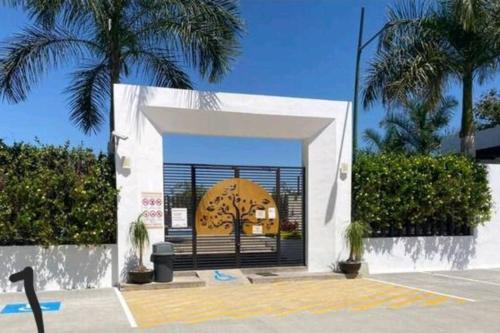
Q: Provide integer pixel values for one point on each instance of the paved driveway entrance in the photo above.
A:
(190, 306)
(466, 302)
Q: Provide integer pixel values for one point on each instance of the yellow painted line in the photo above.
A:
(409, 301)
(378, 302)
(435, 300)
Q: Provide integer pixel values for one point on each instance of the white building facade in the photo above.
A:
(144, 114)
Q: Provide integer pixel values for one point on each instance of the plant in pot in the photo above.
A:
(354, 237)
(139, 239)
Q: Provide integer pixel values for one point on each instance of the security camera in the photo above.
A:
(119, 136)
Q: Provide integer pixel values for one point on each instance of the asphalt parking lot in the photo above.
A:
(465, 301)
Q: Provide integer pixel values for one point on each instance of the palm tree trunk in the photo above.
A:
(467, 144)
(140, 257)
(115, 78)
(351, 255)
(114, 67)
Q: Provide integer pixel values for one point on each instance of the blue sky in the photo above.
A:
(301, 48)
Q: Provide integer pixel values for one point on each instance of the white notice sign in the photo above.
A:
(271, 213)
(257, 229)
(260, 214)
(179, 217)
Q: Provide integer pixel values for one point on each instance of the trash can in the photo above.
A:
(163, 260)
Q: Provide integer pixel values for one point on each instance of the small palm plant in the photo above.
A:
(354, 237)
(139, 239)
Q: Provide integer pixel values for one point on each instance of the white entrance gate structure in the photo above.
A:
(144, 114)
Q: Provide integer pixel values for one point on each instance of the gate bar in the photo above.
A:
(193, 216)
(237, 228)
(278, 200)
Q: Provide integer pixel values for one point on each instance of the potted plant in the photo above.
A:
(354, 237)
(139, 239)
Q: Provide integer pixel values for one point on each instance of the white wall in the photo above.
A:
(328, 194)
(59, 267)
(144, 147)
(484, 139)
(409, 254)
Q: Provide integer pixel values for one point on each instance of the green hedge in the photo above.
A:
(416, 192)
(53, 195)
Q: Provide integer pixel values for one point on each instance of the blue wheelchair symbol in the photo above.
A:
(223, 277)
(24, 308)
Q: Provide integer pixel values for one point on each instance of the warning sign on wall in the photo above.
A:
(152, 206)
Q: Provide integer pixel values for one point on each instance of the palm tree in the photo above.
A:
(157, 40)
(389, 142)
(417, 128)
(429, 44)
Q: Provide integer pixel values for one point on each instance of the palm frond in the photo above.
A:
(160, 68)
(89, 93)
(48, 13)
(400, 122)
(411, 61)
(206, 33)
(404, 19)
(159, 39)
(440, 117)
(28, 55)
(465, 12)
(373, 139)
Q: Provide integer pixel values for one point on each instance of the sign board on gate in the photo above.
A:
(271, 212)
(179, 217)
(257, 230)
(260, 213)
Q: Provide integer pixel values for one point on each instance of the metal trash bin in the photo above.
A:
(163, 260)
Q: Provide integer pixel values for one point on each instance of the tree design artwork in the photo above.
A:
(232, 200)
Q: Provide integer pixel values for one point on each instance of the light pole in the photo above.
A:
(356, 86)
(359, 49)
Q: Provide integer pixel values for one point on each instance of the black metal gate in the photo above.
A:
(186, 184)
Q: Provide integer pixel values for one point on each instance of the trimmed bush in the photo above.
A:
(420, 195)
(51, 195)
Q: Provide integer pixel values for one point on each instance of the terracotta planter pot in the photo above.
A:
(140, 277)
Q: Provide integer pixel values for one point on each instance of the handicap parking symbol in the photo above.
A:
(223, 277)
(25, 308)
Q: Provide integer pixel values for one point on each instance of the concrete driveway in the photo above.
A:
(467, 301)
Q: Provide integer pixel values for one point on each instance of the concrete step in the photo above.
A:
(277, 269)
(180, 281)
(292, 276)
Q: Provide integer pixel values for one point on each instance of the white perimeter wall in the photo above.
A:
(60, 267)
(410, 254)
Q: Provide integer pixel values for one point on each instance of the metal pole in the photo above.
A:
(355, 107)
(356, 86)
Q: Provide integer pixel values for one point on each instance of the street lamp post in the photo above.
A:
(356, 86)
(359, 50)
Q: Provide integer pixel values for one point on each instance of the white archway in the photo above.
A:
(144, 114)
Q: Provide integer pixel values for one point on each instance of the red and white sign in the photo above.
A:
(152, 206)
